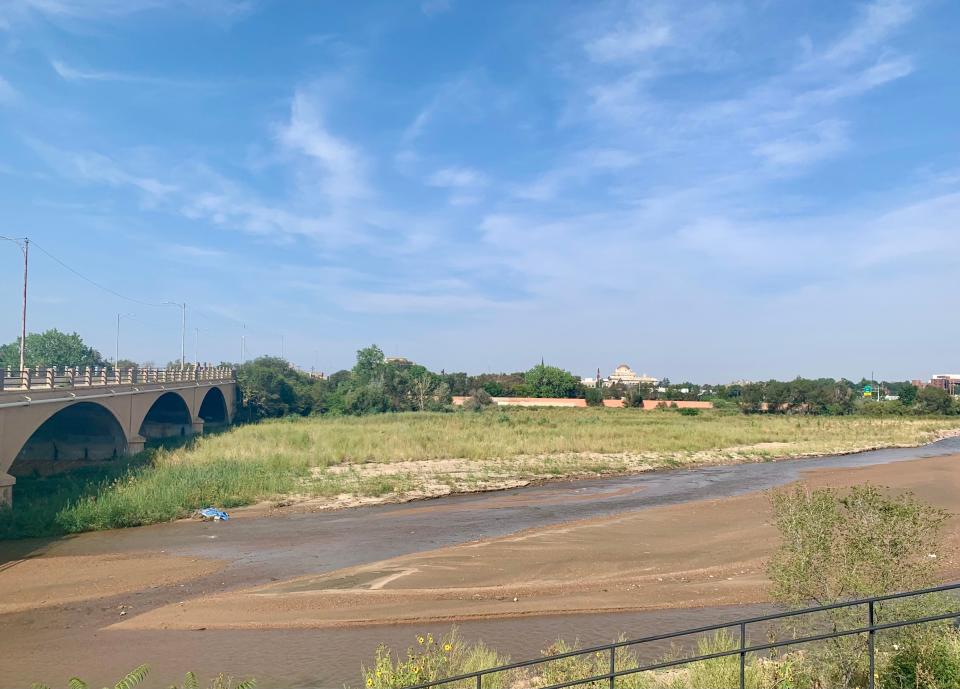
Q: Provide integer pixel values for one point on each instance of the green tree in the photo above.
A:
(838, 546)
(908, 393)
(934, 400)
(594, 396)
(550, 381)
(270, 387)
(371, 366)
(633, 397)
(50, 349)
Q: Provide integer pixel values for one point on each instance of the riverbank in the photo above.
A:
(102, 627)
(707, 553)
(329, 463)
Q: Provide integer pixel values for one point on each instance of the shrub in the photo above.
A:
(688, 411)
(633, 397)
(928, 660)
(432, 660)
(477, 400)
(594, 397)
(838, 546)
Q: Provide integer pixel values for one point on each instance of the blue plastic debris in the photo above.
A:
(214, 514)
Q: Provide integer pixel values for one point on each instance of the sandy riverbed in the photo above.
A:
(302, 598)
(705, 553)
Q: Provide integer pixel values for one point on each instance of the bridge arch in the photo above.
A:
(81, 433)
(213, 409)
(168, 416)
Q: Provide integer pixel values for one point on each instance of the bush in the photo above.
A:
(929, 660)
(431, 660)
(594, 397)
(633, 397)
(478, 400)
(689, 411)
(838, 546)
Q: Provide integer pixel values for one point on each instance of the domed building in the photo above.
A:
(624, 375)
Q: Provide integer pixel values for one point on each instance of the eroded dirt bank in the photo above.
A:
(291, 598)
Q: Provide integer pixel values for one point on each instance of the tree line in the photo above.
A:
(272, 387)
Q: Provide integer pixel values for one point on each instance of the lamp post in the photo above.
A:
(24, 244)
(116, 358)
(183, 330)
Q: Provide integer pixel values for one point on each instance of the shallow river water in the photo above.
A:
(46, 644)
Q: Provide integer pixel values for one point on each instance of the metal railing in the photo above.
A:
(742, 650)
(16, 380)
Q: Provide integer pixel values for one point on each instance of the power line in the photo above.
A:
(94, 282)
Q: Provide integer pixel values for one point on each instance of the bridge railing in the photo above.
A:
(69, 378)
(606, 668)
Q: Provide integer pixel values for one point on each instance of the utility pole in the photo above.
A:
(196, 345)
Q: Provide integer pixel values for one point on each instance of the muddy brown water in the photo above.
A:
(51, 644)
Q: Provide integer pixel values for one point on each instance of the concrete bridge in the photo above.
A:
(53, 420)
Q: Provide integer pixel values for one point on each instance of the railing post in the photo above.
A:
(479, 681)
(871, 643)
(743, 655)
(25, 378)
(50, 373)
(613, 666)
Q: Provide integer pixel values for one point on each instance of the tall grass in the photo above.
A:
(509, 433)
(273, 459)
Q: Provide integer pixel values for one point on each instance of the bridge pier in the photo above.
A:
(6, 490)
(136, 444)
(198, 426)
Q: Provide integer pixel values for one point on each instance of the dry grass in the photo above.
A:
(517, 433)
(345, 461)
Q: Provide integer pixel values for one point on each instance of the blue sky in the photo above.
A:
(706, 191)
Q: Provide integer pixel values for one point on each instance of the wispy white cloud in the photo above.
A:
(435, 7)
(878, 21)
(465, 183)
(630, 39)
(7, 93)
(341, 166)
(67, 12)
(799, 149)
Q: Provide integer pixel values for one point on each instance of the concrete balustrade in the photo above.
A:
(136, 402)
(14, 380)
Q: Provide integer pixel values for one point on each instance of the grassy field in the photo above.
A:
(351, 460)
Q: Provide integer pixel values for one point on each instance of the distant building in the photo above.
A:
(624, 375)
(948, 381)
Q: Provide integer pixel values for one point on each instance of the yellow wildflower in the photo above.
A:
(369, 681)
(447, 648)
(420, 640)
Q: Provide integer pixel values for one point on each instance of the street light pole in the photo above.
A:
(116, 359)
(183, 335)
(24, 244)
(23, 313)
(183, 331)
